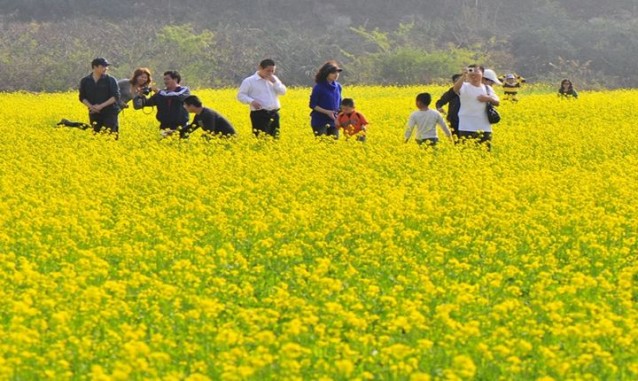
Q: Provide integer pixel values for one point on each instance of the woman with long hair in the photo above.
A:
(138, 84)
(566, 89)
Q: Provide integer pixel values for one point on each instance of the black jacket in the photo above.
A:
(454, 104)
(100, 91)
(170, 107)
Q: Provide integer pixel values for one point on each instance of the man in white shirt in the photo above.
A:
(261, 91)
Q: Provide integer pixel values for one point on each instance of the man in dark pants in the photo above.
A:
(261, 91)
(209, 121)
(170, 103)
(452, 100)
(100, 93)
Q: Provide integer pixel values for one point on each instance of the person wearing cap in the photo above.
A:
(511, 86)
(261, 91)
(473, 95)
(451, 99)
(325, 100)
(490, 78)
(100, 93)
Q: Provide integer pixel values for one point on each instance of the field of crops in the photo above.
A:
(148, 258)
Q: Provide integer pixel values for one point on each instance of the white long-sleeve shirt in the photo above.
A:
(425, 122)
(256, 88)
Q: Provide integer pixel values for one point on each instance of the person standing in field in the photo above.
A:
(261, 91)
(352, 121)
(473, 96)
(512, 84)
(325, 100)
(138, 84)
(490, 78)
(208, 120)
(100, 93)
(170, 103)
(425, 120)
(451, 99)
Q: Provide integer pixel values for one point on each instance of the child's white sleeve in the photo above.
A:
(408, 128)
(443, 125)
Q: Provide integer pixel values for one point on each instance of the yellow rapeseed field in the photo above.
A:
(161, 259)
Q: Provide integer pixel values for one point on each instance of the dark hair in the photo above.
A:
(100, 61)
(348, 102)
(424, 98)
(456, 77)
(477, 66)
(173, 74)
(266, 63)
(329, 67)
(139, 71)
(570, 88)
(193, 100)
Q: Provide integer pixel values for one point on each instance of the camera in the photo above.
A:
(471, 69)
(139, 101)
(145, 90)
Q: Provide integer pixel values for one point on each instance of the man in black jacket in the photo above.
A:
(454, 104)
(100, 93)
(170, 103)
(208, 120)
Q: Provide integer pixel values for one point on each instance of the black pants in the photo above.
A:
(105, 120)
(479, 137)
(265, 122)
(454, 126)
(326, 130)
(168, 129)
(428, 142)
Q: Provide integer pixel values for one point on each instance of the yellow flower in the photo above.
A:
(464, 366)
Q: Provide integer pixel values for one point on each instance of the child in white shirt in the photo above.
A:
(425, 120)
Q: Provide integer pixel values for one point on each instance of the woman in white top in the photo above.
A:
(474, 96)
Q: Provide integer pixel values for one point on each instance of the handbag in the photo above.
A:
(492, 114)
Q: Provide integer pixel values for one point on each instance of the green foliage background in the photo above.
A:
(47, 45)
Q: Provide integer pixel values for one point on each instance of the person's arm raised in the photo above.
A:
(459, 83)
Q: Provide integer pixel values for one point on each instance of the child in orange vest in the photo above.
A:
(353, 122)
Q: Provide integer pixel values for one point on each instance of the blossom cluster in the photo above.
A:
(254, 259)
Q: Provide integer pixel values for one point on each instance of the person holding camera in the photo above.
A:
(100, 93)
(170, 103)
(261, 91)
(473, 97)
(138, 84)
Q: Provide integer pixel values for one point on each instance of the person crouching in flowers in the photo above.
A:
(352, 121)
(566, 89)
(210, 121)
(425, 120)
